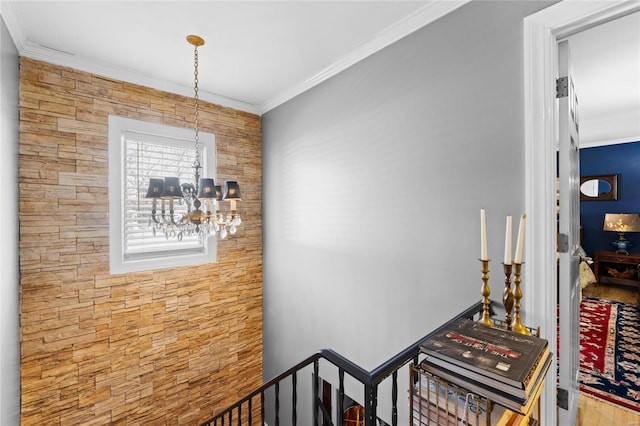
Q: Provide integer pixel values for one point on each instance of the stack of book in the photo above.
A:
(503, 366)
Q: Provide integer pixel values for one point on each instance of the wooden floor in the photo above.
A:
(620, 293)
(591, 411)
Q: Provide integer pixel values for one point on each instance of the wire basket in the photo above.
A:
(436, 402)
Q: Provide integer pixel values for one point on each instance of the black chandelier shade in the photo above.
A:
(169, 187)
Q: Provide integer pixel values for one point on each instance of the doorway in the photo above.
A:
(541, 33)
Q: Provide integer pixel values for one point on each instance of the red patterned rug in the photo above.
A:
(610, 351)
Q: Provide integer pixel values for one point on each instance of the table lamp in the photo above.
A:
(621, 223)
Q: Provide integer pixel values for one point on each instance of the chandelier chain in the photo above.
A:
(195, 97)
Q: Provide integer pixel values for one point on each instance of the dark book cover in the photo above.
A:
(497, 353)
(516, 391)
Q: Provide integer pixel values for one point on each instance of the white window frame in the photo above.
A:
(118, 262)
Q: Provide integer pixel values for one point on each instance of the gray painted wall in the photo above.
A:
(9, 266)
(373, 184)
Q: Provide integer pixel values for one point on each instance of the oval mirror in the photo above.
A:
(595, 188)
(600, 188)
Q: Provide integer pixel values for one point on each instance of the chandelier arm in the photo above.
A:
(163, 212)
(154, 210)
(172, 212)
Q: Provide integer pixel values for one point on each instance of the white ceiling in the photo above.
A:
(259, 54)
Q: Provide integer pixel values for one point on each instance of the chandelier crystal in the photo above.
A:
(199, 203)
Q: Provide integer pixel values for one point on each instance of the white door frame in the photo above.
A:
(541, 33)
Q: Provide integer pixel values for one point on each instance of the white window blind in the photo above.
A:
(139, 151)
(147, 156)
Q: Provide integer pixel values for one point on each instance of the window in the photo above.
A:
(139, 151)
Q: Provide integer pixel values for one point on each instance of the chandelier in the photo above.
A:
(195, 218)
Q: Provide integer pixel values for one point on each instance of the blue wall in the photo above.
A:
(623, 160)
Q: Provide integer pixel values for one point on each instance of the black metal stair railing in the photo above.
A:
(242, 411)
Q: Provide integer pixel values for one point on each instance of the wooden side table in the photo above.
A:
(617, 268)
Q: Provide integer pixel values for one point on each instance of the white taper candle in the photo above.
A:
(520, 243)
(483, 236)
(507, 242)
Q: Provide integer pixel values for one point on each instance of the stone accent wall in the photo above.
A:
(170, 346)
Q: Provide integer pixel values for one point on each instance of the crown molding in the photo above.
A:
(420, 18)
(57, 57)
(594, 144)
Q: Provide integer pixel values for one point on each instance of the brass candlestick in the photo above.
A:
(517, 325)
(507, 295)
(486, 291)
